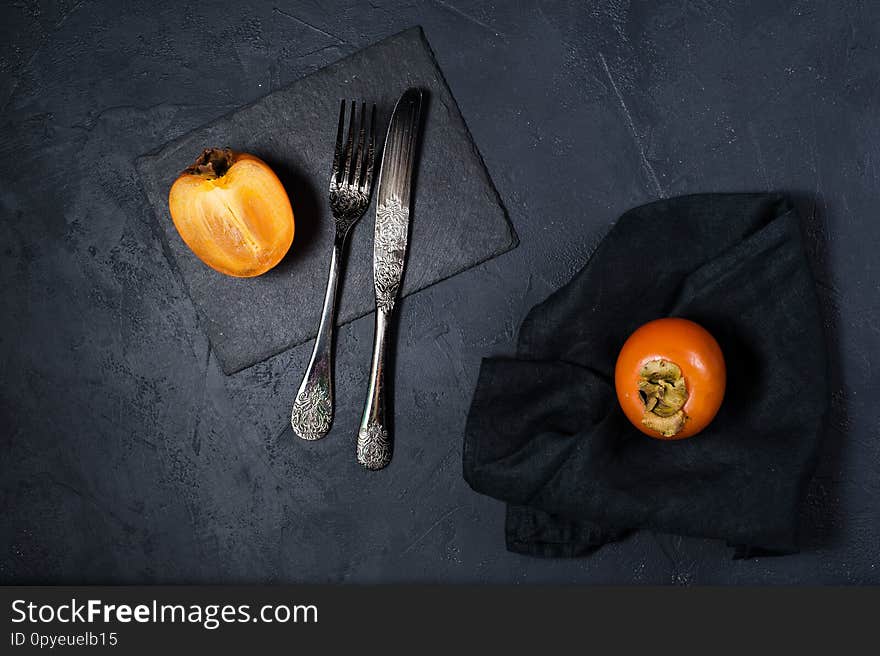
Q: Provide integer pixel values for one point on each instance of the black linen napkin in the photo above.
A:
(545, 432)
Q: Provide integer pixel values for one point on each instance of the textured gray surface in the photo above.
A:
(457, 221)
(128, 455)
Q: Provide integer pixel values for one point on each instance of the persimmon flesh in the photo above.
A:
(670, 378)
(233, 212)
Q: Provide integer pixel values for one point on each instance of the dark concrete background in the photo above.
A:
(127, 456)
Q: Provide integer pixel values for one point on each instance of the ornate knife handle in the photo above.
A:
(312, 412)
(374, 439)
(374, 444)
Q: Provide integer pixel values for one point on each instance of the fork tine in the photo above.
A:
(337, 153)
(359, 153)
(366, 178)
(352, 117)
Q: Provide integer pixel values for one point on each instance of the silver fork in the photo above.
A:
(351, 182)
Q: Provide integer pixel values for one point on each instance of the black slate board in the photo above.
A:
(457, 220)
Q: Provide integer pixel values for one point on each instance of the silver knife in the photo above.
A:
(374, 442)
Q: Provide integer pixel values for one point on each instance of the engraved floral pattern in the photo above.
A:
(347, 203)
(392, 224)
(373, 446)
(312, 412)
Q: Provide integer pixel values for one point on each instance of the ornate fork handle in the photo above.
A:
(351, 181)
(312, 412)
(374, 441)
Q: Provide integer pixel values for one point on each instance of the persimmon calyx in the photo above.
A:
(663, 390)
(213, 163)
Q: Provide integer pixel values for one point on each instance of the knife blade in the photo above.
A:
(374, 444)
(392, 205)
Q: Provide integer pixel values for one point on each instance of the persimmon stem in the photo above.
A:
(212, 163)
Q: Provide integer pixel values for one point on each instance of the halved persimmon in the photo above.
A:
(233, 212)
(670, 378)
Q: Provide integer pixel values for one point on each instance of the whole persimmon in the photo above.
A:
(233, 212)
(670, 378)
